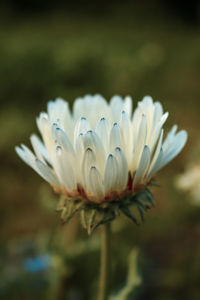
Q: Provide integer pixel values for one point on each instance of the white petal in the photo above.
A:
(170, 137)
(127, 136)
(143, 165)
(98, 109)
(42, 169)
(136, 119)
(46, 172)
(175, 148)
(156, 155)
(82, 126)
(147, 101)
(156, 131)
(22, 154)
(63, 140)
(28, 157)
(28, 152)
(147, 108)
(128, 103)
(158, 112)
(103, 131)
(46, 132)
(59, 113)
(79, 153)
(78, 108)
(157, 165)
(111, 174)
(123, 168)
(79, 145)
(116, 106)
(39, 120)
(39, 148)
(172, 150)
(89, 160)
(50, 110)
(91, 140)
(64, 169)
(115, 137)
(38, 166)
(140, 142)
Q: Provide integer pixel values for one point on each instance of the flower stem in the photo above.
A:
(105, 262)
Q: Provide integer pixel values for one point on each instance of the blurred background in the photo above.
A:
(67, 49)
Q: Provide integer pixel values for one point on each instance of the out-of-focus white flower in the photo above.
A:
(190, 181)
(101, 151)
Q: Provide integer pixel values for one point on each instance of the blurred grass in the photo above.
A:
(70, 54)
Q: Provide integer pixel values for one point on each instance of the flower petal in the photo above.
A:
(89, 160)
(64, 169)
(46, 172)
(115, 137)
(82, 126)
(157, 156)
(111, 174)
(103, 131)
(95, 184)
(123, 168)
(139, 143)
(143, 165)
(39, 148)
(63, 140)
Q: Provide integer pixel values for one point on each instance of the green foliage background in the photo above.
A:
(68, 51)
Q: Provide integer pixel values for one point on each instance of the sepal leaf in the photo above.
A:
(92, 215)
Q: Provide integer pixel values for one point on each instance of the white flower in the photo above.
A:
(100, 151)
(190, 181)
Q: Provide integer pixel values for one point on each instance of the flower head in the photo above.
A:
(101, 152)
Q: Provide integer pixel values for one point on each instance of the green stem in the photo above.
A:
(105, 262)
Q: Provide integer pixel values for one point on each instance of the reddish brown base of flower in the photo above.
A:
(80, 193)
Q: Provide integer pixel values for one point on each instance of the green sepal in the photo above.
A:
(149, 197)
(153, 184)
(92, 215)
(104, 219)
(91, 221)
(144, 206)
(68, 209)
(83, 218)
(141, 212)
(127, 212)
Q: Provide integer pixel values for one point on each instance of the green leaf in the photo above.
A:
(61, 203)
(91, 220)
(149, 197)
(105, 219)
(141, 212)
(83, 218)
(126, 211)
(153, 184)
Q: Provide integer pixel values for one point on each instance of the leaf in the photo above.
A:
(143, 205)
(105, 219)
(141, 212)
(61, 203)
(70, 209)
(91, 220)
(133, 278)
(83, 218)
(126, 211)
(153, 184)
(63, 214)
(149, 197)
